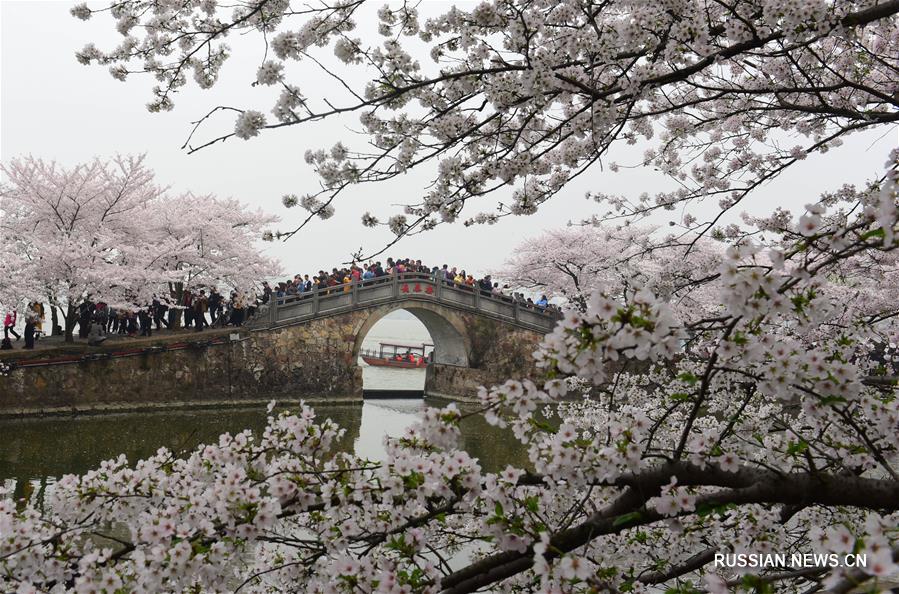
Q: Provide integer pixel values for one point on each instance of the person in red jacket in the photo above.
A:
(9, 323)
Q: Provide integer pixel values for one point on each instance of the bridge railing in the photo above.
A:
(410, 285)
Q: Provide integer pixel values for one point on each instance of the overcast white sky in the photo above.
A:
(55, 108)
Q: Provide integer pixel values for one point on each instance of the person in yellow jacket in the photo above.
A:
(37, 310)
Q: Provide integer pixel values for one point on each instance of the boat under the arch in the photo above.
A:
(400, 355)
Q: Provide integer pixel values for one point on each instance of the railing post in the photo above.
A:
(477, 297)
(515, 311)
(315, 304)
(439, 292)
(396, 284)
(272, 306)
(355, 293)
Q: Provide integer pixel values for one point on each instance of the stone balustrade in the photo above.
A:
(406, 287)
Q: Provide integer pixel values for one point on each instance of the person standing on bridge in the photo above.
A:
(85, 315)
(159, 311)
(113, 326)
(29, 328)
(237, 309)
(215, 301)
(201, 304)
(187, 300)
(132, 327)
(486, 285)
(9, 323)
(38, 319)
(146, 320)
(101, 315)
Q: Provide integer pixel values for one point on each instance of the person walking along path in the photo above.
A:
(9, 323)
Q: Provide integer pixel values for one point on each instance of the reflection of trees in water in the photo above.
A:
(35, 450)
(495, 448)
(41, 448)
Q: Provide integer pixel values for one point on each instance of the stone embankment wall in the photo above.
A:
(308, 361)
(315, 360)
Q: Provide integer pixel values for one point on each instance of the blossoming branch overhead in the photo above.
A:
(718, 387)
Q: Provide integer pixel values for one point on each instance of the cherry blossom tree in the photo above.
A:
(579, 260)
(70, 227)
(11, 263)
(526, 96)
(204, 241)
(106, 230)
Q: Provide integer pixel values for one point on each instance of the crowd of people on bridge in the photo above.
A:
(343, 279)
(190, 310)
(97, 319)
(34, 325)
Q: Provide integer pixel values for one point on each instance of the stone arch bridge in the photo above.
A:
(312, 343)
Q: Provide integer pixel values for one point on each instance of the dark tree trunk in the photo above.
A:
(54, 319)
(176, 292)
(70, 323)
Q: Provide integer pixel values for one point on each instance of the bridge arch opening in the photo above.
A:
(407, 324)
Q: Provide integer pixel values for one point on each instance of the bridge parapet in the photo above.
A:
(401, 288)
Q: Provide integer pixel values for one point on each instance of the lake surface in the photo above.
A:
(34, 452)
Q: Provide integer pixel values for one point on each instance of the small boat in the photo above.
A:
(400, 356)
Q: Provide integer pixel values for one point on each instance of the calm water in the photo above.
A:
(33, 452)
